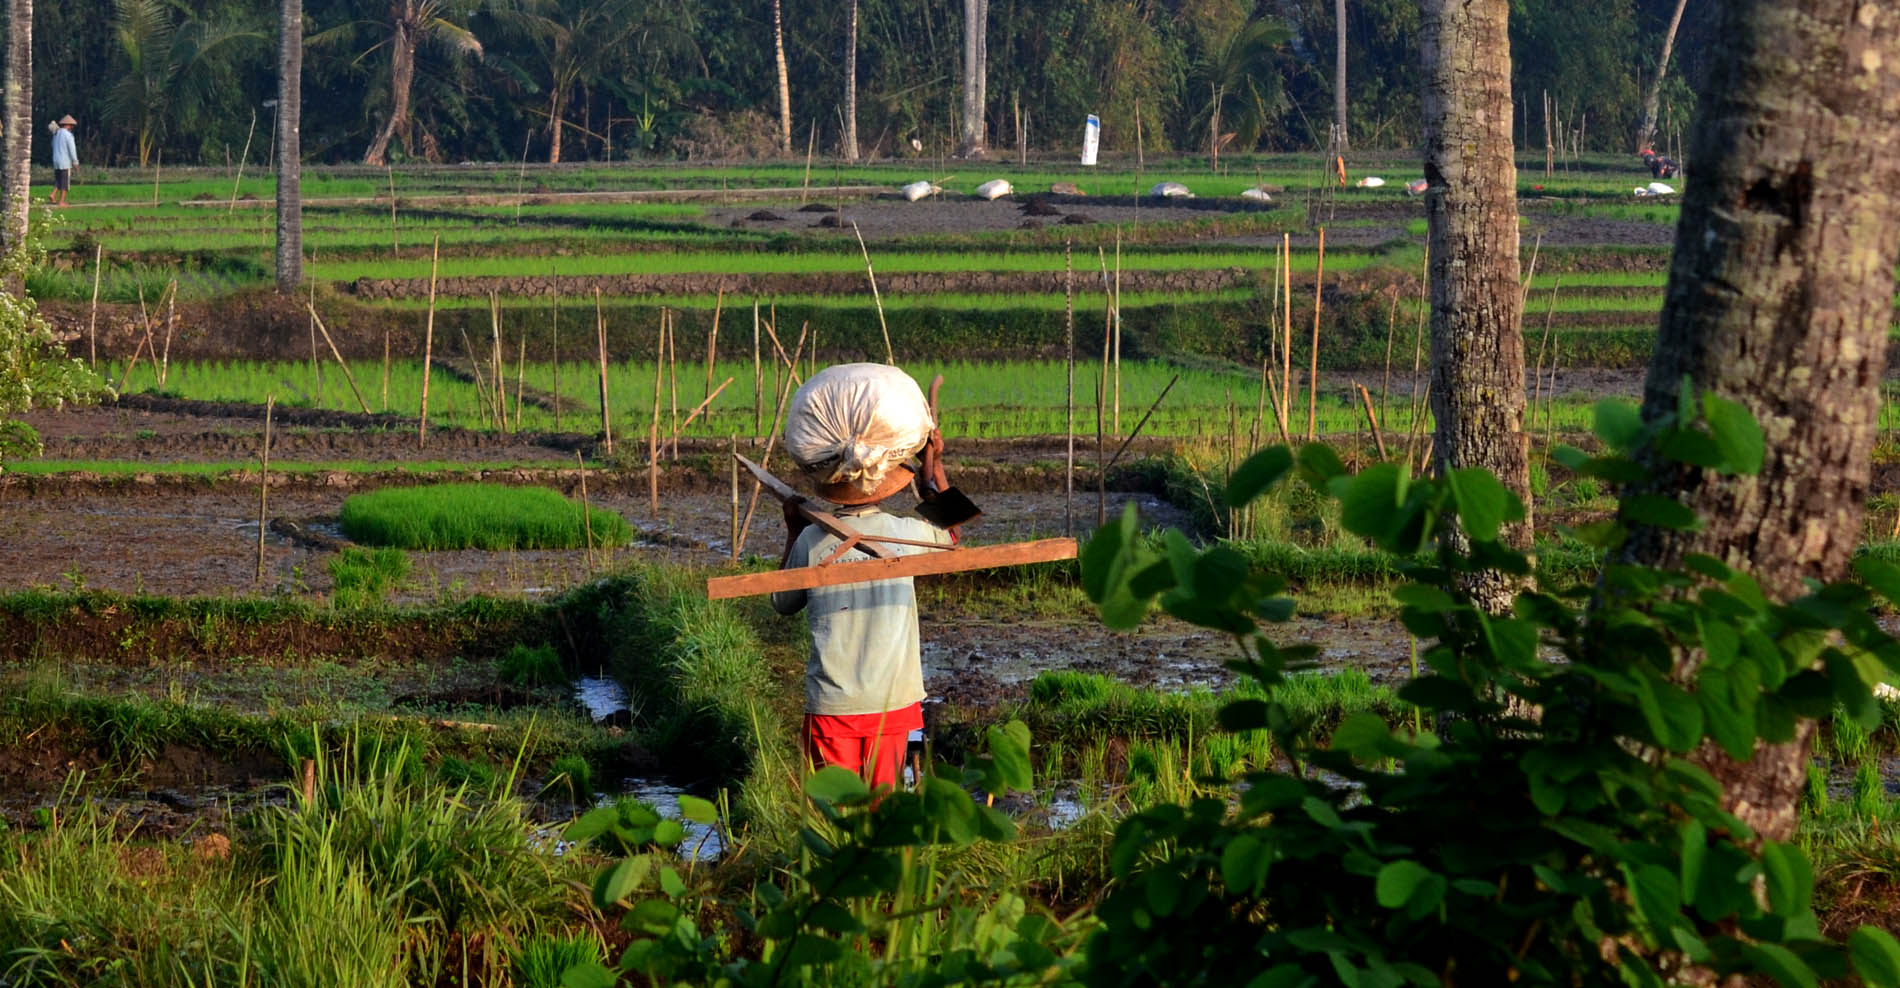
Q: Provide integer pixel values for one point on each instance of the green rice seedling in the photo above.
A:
(361, 577)
(330, 919)
(572, 778)
(1871, 802)
(462, 773)
(532, 665)
(1851, 743)
(478, 516)
(543, 959)
(1814, 796)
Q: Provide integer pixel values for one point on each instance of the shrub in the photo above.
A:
(478, 516)
(532, 665)
(571, 776)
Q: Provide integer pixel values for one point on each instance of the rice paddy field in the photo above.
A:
(201, 637)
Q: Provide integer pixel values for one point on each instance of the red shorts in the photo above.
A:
(871, 745)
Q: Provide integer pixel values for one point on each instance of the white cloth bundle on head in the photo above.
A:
(850, 425)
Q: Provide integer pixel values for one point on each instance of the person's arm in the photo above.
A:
(933, 479)
(791, 601)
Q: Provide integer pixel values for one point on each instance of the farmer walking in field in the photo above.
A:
(852, 428)
(65, 158)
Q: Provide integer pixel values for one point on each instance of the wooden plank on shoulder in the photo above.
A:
(923, 564)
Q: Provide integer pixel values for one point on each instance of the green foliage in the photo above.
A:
(572, 777)
(365, 576)
(1582, 845)
(543, 959)
(478, 516)
(532, 665)
(34, 370)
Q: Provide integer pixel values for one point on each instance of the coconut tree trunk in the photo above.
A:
(851, 85)
(402, 77)
(973, 15)
(1471, 213)
(1339, 72)
(1654, 98)
(289, 151)
(557, 101)
(1779, 297)
(784, 81)
(17, 121)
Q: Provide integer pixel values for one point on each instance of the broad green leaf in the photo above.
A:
(836, 784)
(592, 824)
(620, 879)
(591, 974)
(1781, 964)
(1360, 734)
(1483, 503)
(1736, 432)
(1397, 881)
(1257, 473)
(670, 883)
(1319, 465)
(1884, 577)
(1658, 896)
(1790, 878)
(1659, 511)
(698, 810)
(1618, 423)
(1243, 864)
(667, 833)
(1009, 758)
(1369, 505)
(1876, 956)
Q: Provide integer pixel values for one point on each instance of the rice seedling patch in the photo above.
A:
(478, 516)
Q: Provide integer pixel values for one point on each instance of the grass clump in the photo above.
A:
(366, 576)
(532, 665)
(544, 959)
(478, 516)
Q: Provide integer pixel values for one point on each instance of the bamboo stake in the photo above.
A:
(712, 338)
(1233, 452)
(600, 336)
(758, 378)
(1123, 448)
(734, 465)
(765, 461)
(811, 136)
(587, 512)
(1116, 426)
(347, 376)
(1391, 323)
(171, 325)
(395, 245)
(239, 179)
(126, 375)
(521, 372)
(889, 355)
(1286, 344)
(1068, 343)
(1537, 383)
(555, 342)
(1312, 374)
(1378, 438)
(385, 368)
(790, 364)
(653, 430)
(673, 376)
(1271, 364)
(1277, 397)
(92, 322)
(263, 488)
(158, 168)
(483, 398)
(316, 362)
(1418, 349)
(700, 408)
(1101, 395)
(499, 393)
(428, 346)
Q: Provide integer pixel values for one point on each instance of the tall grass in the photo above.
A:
(478, 516)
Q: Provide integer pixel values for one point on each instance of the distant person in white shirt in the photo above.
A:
(65, 158)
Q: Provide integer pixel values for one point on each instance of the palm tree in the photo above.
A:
(1339, 72)
(580, 42)
(1244, 90)
(408, 24)
(289, 146)
(16, 116)
(1653, 98)
(167, 70)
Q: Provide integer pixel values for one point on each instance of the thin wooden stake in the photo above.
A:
(653, 431)
(673, 376)
(1101, 395)
(555, 342)
(600, 336)
(484, 399)
(395, 245)
(499, 394)
(701, 407)
(712, 338)
(1123, 448)
(811, 137)
(1286, 343)
(1378, 438)
(1116, 426)
(92, 322)
(521, 373)
(385, 368)
(239, 179)
(771, 440)
(158, 168)
(347, 376)
(734, 541)
(877, 300)
(1312, 374)
(1068, 345)
(171, 326)
(428, 346)
(758, 378)
(587, 512)
(126, 375)
(263, 488)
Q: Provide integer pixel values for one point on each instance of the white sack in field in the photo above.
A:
(1171, 190)
(995, 188)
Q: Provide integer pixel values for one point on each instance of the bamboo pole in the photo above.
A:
(521, 373)
(126, 375)
(1101, 395)
(1378, 439)
(587, 513)
(158, 168)
(765, 461)
(734, 465)
(1116, 426)
(653, 430)
(92, 321)
(712, 338)
(811, 137)
(555, 342)
(498, 395)
(702, 406)
(347, 376)
(1068, 345)
(673, 376)
(395, 245)
(1286, 341)
(758, 378)
(1123, 448)
(316, 362)
(877, 300)
(263, 488)
(1418, 349)
(239, 179)
(1312, 374)
(1537, 383)
(1391, 323)
(600, 337)
(428, 345)
(483, 399)
(171, 326)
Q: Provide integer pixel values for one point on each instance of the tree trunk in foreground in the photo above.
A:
(784, 81)
(402, 77)
(1779, 297)
(1477, 385)
(971, 145)
(1654, 98)
(289, 152)
(16, 117)
(1339, 72)
(851, 85)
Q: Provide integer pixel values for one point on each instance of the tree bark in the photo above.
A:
(1339, 71)
(289, 150)
(784, 80)
(1779, 297)
(557, 101)
(1477, 344)
(974, 13)
(402, 76)
(851, 85)
(18, 127)
(1654, 97)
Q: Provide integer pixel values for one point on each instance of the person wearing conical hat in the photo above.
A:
(65, 158)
